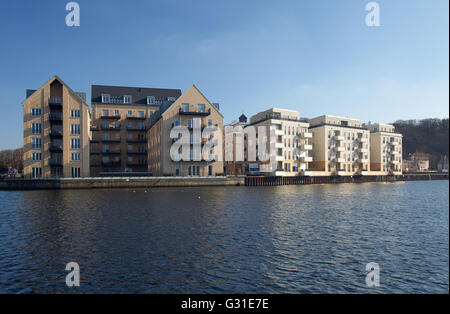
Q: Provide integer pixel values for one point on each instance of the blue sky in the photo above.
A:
(317, 57)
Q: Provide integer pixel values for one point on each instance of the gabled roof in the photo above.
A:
(51, 80)
(138, 94)
(195, 89)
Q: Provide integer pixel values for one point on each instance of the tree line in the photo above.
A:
(11, 158)
(429, 136)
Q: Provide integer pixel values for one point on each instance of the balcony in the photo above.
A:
(137, 140)
(111, 152)
(306, 135)
(112, 117)
(306, 147)
(111, 140)
(110, 127)
(111, 164)
(340, 173)
(137, 165)
(306, 159)
(363, 150)
(56, 134)
(339, 138)
(194, 113)
(56, 148)
(55, 102)
(279, 132)
(396, 153)
(55, 118)
(137, 129)
(130, 117)
(55, 163)
(363, 140)
(363, 160)
(279, 158)
(340, 160)
(339, 149)
(137, 153)
(279, 145)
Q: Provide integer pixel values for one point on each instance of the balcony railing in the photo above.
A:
(194, 113)
(114, 116)
(137, 153)
(111, 140)
(55, 117)
(137, 165)
(110, 127)
(136, 140)
(131, 117)
(55, 163)
(55, 102)
(111, 164)
(56, 133)
(138, 129)
(111, 152)
(56, 148)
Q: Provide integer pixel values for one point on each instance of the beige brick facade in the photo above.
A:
(56, 132)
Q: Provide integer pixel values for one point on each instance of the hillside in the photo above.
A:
(426, 136)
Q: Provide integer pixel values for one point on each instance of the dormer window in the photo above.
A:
(150, 100)
(127, 99)
(105, 98)
(171, 98)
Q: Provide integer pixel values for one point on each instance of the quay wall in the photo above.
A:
(119, 182)
(149, 182)
(299, 180)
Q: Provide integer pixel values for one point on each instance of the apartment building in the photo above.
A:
(385, 149)
(56, 132)
(292, 143)
(234, 167)
(194, 111)
(341, 146)
(120, 120)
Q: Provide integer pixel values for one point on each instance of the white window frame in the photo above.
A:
(106, 98)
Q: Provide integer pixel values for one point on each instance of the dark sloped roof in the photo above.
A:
(138, 94)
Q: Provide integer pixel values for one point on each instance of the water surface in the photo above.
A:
(286, 239)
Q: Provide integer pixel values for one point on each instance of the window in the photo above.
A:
(130, 112)
(177, 122)
(36, 128)
(141, 114)
(76, 173)
(36, 156)
(185, 107)
(37, 172)
(116, 112)
(76, 144)
(76, 157)
(75, 129)
(127, 99)
(210, 170)
(150, 100)
(105, 98)
(209, 122)
(105, 113)
(201, 107)
(36, 143)
(36, 112)
(177, 170)
(75, 113)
